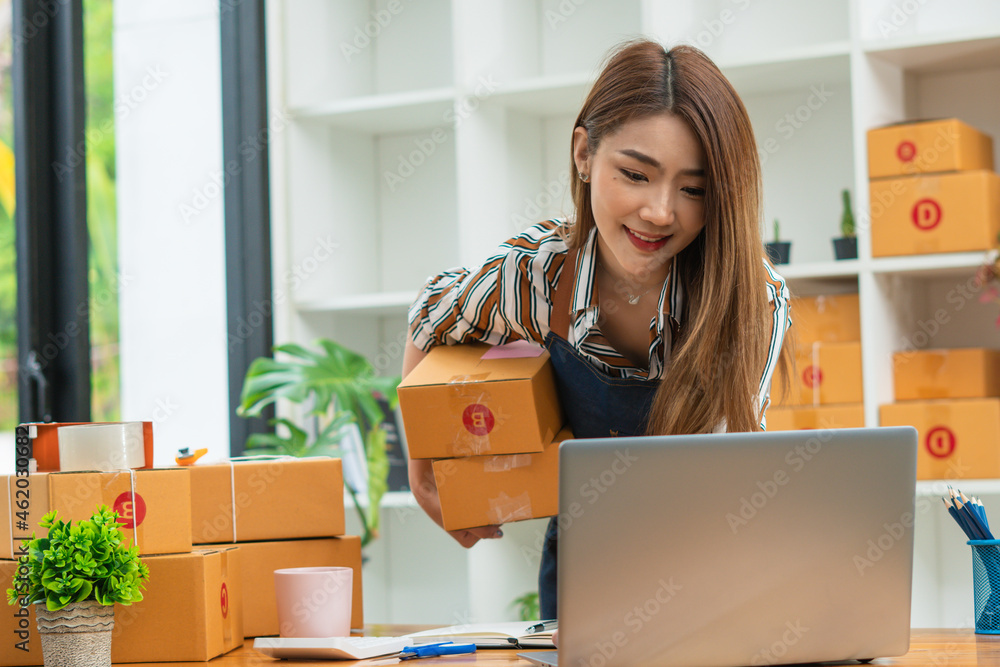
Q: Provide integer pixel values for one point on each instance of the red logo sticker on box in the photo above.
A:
(926, 214)
(906, 151)
(224, 600)
(478, 419)
(940, 442)
(130, 514)
(812, 376)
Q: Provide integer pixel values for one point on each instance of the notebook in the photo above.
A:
(736, 549)
(508, 634)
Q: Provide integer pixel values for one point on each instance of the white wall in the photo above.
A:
(170, 222)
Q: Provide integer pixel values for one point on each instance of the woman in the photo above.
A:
(655, 302)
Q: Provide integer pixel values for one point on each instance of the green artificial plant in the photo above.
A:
(527, 606)
(847, 217)
(76, 563)
(338, 386)
(777, 231)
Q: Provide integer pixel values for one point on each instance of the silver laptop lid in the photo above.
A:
(736, 549)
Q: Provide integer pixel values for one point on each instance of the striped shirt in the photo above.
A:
(510, 298)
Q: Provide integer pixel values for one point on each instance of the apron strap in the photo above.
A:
(563, 297)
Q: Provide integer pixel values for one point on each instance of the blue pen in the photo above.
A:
(435, 650)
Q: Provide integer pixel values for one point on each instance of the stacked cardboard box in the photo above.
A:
(192, 605)
(825, 389)
(281, 513)
(490, 419)
(952, 398)
(932, 189)
(244, 519)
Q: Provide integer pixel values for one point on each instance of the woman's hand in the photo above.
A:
(422, 475)
(425, 491)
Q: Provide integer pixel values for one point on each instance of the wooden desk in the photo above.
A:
(928, 648)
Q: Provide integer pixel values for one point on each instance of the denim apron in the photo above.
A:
(595, 405)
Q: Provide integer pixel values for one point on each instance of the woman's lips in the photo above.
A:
(643, 243)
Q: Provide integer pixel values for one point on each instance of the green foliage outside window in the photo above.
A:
(101, 219)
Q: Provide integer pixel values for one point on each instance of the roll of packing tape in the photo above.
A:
(113, 446)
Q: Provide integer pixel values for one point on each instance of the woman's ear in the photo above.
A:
(581, 152)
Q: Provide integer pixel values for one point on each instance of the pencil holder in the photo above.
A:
(986, 582)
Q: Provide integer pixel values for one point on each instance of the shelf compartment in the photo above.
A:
(742, 31)
(790, 70)
(376, 303)
(553, 37)
(962, 264)
(381, 114)
(940, 53)
(847, 268)
(975, 487)
(891, 22)
(374, 199)
(547, 95)
(360, 48)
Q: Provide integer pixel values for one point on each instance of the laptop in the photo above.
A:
(735, 549)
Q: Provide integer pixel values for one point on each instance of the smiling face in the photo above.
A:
(647, 191)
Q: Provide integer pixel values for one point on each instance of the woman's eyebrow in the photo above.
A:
(653, 162)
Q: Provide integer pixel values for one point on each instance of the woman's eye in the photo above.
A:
(695, 192)
(633, 176)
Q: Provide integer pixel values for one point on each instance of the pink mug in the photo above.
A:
(314, 601)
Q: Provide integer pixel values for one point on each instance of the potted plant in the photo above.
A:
(778, 251)
(341, 391)
(846, 247)
(74, 576)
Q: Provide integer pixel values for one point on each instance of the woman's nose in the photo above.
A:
(658, 210)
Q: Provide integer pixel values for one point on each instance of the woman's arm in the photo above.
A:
(422, 476)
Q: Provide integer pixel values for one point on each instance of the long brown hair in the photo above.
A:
(721, 350)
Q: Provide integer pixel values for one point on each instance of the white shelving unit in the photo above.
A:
(419, 135)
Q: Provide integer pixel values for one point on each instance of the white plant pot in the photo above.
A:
(78, 635)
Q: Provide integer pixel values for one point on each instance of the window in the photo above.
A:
(102, 254)
(8, 271)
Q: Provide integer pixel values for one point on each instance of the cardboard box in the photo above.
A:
(474, 400)
(957, 439)
(192, 610)
(825, 373)
(929, 214)
(274, 500)
(834, 318)
(157, 518)
(927, 146)
(486, 490)
(958, 373)
(822, 417)
(261, 559)
(44, 441)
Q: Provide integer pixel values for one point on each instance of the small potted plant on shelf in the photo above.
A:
(343, 392)
(989, 278)
(74, 576)
(778, 251)
(846, 247)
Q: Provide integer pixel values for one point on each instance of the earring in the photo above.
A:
(584, 178)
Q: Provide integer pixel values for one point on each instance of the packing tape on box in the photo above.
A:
(505, 463)
(232, 475)
(504, 508)
(817, 373)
